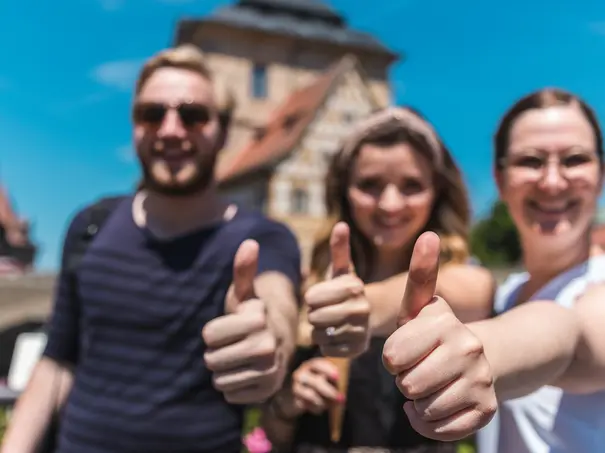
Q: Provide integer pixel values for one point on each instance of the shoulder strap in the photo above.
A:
(96, 215)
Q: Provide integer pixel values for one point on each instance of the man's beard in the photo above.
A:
(201, 180)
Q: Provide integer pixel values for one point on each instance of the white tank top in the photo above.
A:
(548, 420)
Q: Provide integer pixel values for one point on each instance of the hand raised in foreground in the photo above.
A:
(242, 349)
(438, 362)
(338, 309)
(314, 389)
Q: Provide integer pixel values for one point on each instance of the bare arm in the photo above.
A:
(586, 372)
(528, 346)
(281, 300)
(468, 289)
(46, 392)
(279, 420)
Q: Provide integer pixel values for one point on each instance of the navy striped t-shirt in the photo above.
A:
(129, 321)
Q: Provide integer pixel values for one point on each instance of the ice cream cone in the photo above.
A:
(336, 411)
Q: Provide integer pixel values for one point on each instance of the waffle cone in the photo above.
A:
(336, 411)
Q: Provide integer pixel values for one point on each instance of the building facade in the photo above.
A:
(299, 77)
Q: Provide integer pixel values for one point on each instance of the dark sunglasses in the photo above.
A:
(191, 114)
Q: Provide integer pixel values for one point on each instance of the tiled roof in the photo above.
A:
(286, 126)
(7, 215)
(306, 20)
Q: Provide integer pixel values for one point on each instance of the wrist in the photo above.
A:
(284, 406)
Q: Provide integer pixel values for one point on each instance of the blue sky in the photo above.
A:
(68, 67)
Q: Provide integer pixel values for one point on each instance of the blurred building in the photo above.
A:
(299, 77)
(17, 252)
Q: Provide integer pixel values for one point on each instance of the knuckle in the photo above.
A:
(409, 387)
(314, 293)
(485, 376)
(210, 361)
(266, 346)
(469, 345)
(445, 322)
(257, 319)
(489, 409)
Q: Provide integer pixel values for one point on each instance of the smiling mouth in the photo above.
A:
(552, 209)
(390, 223)
(173, 153)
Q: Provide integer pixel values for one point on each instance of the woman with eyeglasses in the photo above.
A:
(392, 180)
(549, 172)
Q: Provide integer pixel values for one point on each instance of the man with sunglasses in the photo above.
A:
(183, 309)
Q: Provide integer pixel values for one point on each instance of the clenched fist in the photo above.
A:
(338, 309)
(437, 361)
(242, 349)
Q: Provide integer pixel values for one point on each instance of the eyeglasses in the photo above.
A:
(533, 165)
(192, 114)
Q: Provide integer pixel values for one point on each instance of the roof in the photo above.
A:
(7, 214)
(310, 20)
(287, 125)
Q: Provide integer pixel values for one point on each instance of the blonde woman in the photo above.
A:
(392, 180)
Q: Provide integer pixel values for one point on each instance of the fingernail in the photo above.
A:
(334, 375)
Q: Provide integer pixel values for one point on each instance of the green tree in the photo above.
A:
(494, 240)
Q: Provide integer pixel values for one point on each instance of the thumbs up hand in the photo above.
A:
(241, 346)
(438, 363)
(338, 309)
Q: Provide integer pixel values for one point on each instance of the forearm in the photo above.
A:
(282, 311)
(468, 291)
(279, 421)
(528, 347)
(46, 390)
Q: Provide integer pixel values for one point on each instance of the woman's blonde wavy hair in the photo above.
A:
(450, 216)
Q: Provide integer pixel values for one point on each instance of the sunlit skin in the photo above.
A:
(175, 157)
(391, 194)
(552, 177)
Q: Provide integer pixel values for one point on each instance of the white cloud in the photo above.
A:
(597, 27)
(72, 105)
(111, 5)
(120, 74)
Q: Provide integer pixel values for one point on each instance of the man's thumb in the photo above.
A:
(245, 267)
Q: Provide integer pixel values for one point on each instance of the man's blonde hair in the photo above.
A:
(186, 56)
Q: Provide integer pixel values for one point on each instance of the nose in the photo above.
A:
(553, 181)
(391, 200)
(172, 126)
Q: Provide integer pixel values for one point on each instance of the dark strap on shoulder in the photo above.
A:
(95, 217)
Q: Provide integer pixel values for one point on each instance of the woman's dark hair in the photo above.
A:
(541, 99)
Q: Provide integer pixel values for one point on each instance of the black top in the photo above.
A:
(130, 319)
(374, 415)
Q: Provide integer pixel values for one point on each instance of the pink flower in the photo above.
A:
(256, 441)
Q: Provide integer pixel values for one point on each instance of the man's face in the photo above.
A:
(176, 131)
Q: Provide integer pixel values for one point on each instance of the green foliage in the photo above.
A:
(494, 240)
(3, 422)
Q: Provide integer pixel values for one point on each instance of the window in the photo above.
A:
(300, 201)
(259, 81)
(328, 157)
(348, 117)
